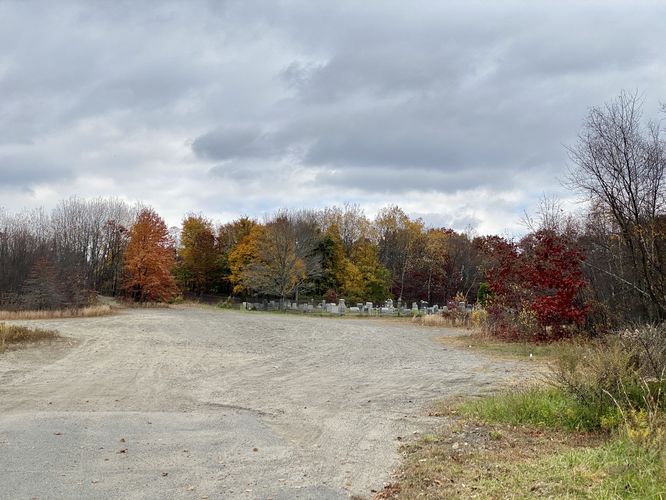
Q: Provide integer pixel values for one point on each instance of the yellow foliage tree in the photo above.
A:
(198, 258)
(242, 257)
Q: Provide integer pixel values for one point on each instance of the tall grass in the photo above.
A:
(456, 318)
(539, 406)
(14, 334)
(618, 378)
(84, 312)
(614, 389)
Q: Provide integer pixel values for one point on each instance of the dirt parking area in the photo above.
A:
(204, 403)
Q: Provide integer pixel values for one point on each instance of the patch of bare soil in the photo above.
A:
(198, 402)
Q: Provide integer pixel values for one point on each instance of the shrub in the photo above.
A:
(478, 317)
(618, 378)
(483, 293)
(535, 286)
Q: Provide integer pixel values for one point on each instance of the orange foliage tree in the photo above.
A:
(149, 259)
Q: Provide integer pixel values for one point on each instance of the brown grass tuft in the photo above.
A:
(14, 334)
(84, 312)
(457, 319)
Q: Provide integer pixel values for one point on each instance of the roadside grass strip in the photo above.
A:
(526, 444)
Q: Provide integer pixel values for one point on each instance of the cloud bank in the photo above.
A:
(456, 111)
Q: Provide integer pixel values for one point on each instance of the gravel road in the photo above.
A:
(204, 403)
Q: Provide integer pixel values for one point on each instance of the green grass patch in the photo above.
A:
(597, 432)
(524, 445)
(537, 406)
(620, 468)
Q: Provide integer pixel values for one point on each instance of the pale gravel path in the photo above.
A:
(193, 391)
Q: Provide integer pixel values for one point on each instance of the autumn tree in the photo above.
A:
(398, 237)
(281, 259)
(229, 236)
(554, 275)
(365, 277)
(350, 223)
(502, 269)
(198, 259)
(333, 262)
(149, 260)
(535, 285)
(435, 258)
(241, 258)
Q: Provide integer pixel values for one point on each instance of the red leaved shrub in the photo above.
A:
(535, 285)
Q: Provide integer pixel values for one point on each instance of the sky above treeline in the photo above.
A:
(459, 112)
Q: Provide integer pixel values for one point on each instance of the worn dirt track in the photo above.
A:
(204, 403)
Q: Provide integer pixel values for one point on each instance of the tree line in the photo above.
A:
(107, 246)
(595, 270)
(56, 260)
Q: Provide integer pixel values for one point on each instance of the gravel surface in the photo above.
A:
(205, 403)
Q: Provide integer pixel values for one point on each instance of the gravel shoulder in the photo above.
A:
(203, 403)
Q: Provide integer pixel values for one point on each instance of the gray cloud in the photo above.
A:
(310, 102)
(235, 142)
(401, 181)
(25, 173)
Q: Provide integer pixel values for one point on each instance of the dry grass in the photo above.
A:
(130, 304)
(487, 344)
(14, 334)
(453, 320)
(535, 442)
(84, 312)
(473, 459)
(469, 459)
(457, 319)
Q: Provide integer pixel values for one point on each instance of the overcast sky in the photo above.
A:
(456, 111)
